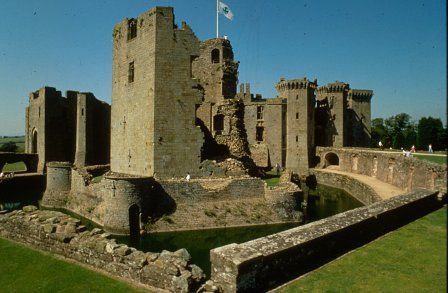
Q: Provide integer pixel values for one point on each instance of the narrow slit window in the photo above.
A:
(131, 72)
(297, 115)
(260, 112)
(132, 29)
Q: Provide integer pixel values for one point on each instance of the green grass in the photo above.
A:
(14, 167)
(26, 270)
(271, 178)
(20, 142)
(435, 159)
(410, 259)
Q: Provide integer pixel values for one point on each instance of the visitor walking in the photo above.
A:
(413, 149)
(188, 177)
(430, 148)
(380, 144)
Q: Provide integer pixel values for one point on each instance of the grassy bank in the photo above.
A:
(14, 167)
(432, 158)
(26, 270)
(410, 259)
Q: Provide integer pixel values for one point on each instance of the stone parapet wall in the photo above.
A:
(200, 190)
(355, 188)
(393, 168)
(266, 262)
(58, 233)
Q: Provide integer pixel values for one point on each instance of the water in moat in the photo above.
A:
(320, 203)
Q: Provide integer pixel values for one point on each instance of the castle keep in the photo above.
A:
(176, 111)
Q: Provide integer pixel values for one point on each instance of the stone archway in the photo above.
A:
(331, 159)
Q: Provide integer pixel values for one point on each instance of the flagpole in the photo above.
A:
(217, 17)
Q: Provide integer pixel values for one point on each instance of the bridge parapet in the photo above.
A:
(391, 167)
(30, 160)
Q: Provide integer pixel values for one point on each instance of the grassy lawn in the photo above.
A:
(14, 167)
(272, 178)
(410, 259)
(20, 142)
(435, 159)
(26, 270)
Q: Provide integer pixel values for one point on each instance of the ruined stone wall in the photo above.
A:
(273, 123)
(48, 121)
(58, 233)
(267, 262)
(299, 94)
(92, 131)
(393, 168)
(160, 136)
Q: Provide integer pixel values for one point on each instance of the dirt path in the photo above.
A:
(383, 189)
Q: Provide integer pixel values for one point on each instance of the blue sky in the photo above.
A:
(396, 48)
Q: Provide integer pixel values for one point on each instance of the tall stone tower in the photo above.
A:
(154, 97)
(300, 99)
(334, 97)
(358, 128)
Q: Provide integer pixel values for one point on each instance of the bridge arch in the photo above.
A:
(331, 159)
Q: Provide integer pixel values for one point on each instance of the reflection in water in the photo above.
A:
(319, 203)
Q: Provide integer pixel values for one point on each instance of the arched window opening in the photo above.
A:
(215, 56)
(34, 142)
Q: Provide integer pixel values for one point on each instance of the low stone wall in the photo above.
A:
(355, 188)
(30, 160)
(213, 189)
(269, 261)
(393, 168)
(58, 233)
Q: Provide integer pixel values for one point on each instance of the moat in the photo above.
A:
(322, 202)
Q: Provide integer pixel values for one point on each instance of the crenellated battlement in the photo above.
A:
(335, 87)
(360, 94)
(292, 84)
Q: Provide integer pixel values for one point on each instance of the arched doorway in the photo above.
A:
(331, 159)
(34, 142)
(134, 222)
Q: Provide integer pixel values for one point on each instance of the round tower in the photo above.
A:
(124, 202)
(58, 184)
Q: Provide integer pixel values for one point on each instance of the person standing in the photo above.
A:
(413, 149)
(188, 177)
(380, 144)
(430, 148)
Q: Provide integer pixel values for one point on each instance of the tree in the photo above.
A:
(398, 127)
(9, 147)
(431, 131)
(379, 132)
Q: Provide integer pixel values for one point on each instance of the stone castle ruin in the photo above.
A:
(176, 111)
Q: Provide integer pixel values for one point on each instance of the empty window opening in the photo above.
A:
(297, 115)
(82, 112)
(218, 123)
(297, 97)
(227, 54)
(260, 112)
(215, 56)
(131, 72)
(297, 138)
(39, 112)
(260, 133)
(34, 142)
(132, 29)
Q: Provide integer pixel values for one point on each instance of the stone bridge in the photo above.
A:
(405, 173)
(30, 160)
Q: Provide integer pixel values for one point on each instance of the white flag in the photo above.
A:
(224, 9)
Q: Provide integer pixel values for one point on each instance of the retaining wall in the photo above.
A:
(355, 188)
(406, 173)
(269, 261)
(58, 233)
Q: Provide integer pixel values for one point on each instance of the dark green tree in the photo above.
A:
(397, 126)
(9, 146)
(431, 131)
